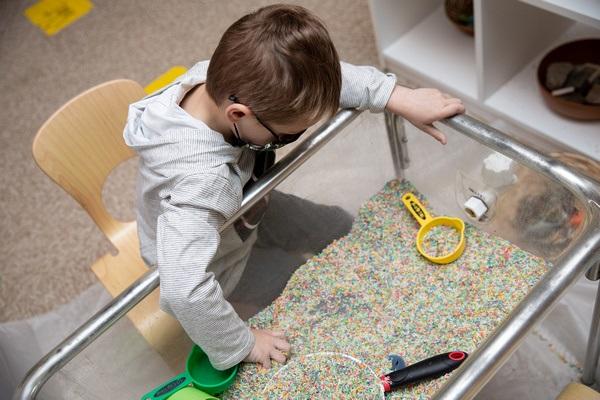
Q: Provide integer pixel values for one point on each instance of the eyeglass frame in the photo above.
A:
(278, 143)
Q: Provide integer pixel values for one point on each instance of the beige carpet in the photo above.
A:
(48, 241)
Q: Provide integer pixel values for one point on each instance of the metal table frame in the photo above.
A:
(479, 368)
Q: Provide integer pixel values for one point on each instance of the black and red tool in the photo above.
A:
(430, 368)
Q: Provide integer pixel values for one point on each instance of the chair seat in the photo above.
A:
(161, 330)
(577, 391)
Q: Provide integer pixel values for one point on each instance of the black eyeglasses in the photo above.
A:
(280, 139)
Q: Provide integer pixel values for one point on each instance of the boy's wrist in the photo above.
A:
(398, 100)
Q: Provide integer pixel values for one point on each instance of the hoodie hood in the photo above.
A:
(167, 138)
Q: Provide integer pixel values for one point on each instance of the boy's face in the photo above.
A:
(258, 134)
(261, 133)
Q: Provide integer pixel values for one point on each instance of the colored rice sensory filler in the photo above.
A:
(326, 376)
(371, 294)
(441, 240)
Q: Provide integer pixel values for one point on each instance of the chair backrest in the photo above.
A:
(82, 142)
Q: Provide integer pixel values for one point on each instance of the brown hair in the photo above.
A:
(280, 62)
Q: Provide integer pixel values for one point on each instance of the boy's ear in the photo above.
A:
(236, 112)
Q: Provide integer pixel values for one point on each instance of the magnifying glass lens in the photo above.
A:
(441, 240)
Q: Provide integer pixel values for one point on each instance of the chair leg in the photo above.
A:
(593, 346)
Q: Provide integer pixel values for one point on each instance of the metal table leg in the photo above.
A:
(394, 126)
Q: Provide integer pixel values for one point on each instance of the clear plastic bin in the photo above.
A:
(342, 175)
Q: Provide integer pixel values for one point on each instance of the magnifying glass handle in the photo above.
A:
(416, 208)
(430, 368)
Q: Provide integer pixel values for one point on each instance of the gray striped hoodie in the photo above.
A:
(190, 182)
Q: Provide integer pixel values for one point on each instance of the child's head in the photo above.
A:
(280, 64)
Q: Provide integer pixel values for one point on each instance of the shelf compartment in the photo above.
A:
(519, 101)
(437, 51)
(584, 11)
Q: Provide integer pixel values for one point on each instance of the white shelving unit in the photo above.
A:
(494, 72)
(585, 11)
(450, 55)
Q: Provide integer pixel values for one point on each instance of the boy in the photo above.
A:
(201, 139)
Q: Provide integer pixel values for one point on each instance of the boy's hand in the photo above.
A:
(268, 345)
(422, 107)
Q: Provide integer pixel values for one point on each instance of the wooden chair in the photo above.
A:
(577, 391)
(78, 147)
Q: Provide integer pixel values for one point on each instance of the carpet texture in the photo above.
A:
(48, 241)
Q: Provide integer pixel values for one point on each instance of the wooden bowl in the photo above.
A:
(457, 11)
(577, 52)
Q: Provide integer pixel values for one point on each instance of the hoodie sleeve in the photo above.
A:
(187, 241)
(365, 87)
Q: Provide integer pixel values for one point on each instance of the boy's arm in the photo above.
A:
(187, 241)
(367, 88)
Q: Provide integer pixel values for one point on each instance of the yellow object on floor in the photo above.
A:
(51, 16)
(165, 78)
(577, 391)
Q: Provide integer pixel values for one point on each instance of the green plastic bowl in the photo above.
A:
(199, 381)
(204, 376)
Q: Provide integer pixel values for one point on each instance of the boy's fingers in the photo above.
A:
(447, 96)
(452, 109)
(437, 135)
(266, 362)
(282, 345)
(278, 334)
(278, 356)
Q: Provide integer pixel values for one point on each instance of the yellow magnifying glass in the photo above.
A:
(427, 231)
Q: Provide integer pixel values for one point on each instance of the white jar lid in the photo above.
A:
(475, 207)
(497, 170)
